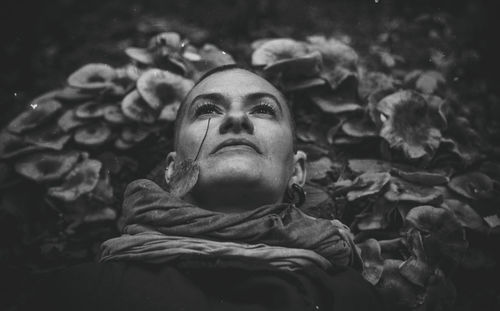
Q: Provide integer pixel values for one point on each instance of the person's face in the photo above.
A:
(249, 143)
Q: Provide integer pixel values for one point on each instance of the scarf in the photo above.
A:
(158, 227)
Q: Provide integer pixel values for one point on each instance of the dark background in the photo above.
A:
(44, 41)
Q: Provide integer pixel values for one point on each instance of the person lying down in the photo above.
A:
(227, 234)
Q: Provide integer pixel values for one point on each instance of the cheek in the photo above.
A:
(191, 138)
(278, 140)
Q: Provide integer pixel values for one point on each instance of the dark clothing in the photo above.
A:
(200, 285)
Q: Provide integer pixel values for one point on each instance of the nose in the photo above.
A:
(236, 122)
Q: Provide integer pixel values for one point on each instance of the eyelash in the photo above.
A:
(206, 108)
(209, 108)
(269, 109)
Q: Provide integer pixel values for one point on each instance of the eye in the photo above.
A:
(206, 108)
(264, 108)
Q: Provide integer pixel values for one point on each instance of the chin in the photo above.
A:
(235, 169)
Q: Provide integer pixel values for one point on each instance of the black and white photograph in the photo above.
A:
(288, 155)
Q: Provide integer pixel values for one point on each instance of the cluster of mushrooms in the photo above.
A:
(420, 182)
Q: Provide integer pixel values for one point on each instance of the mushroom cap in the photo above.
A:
(12, 145)
(123, 144)
(91, 109)
(71, 94)
(401, 190)
(397, 292)
(465, 214)
(169, 112)
(114, 114)
(370, 183)
(373, 263)
(82, 179)
(372, 82)
(142, 56)
(340, 61)
(159, 88)
(92, 77)
(406, 123)
(274, 50)
(368, 166)
(169, 39)
(473, 185)
(47, 166)
(37, 113)
(420, 176)
(50, 137)
(363, 127)
(318, 169)
(305, 66)
(68, 120)
(330, 102)
(209, 57)
(135, 133)
(136, 109)
(93, 134)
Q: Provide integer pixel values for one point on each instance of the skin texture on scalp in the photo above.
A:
(243, 109)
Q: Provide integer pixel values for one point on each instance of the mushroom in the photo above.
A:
(12, 145)
(91, 109)
(142, 56)
(339, 60)
(474, 185)
(406, 123)
(51, 137)
(93, 77)
(401, 190)
(37, 113)
(427, 82)
(372, 82)
(397, 292)
(368, 184)
(135, 108)
(123, 144)
(318, 169)
(169, 112)
(206, 58)
(363, 127)
(136, 133)
(275, 50)
(68, 120)
(330, 102)
(443, 234)
(373, 263)
(73, 95)
(360, 166)
(93, 134)
(114, 114)
(465, 214)
(103, 191)
(416, 268)
(420, 176)
(47, 166)
(159, 88)
(81, 180)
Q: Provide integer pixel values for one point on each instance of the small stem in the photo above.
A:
(203, 140)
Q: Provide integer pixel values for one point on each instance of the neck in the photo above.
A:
(231, 200)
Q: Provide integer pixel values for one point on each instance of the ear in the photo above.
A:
(299, 169)
(169, 170)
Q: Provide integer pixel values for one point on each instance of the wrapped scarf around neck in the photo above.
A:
(158, 227)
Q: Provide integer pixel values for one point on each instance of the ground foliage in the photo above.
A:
(396, 125)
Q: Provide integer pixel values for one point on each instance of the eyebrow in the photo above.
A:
(222, 98)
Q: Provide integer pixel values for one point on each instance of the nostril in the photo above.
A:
(236, 123)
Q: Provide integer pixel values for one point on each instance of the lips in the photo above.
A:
(236, 142)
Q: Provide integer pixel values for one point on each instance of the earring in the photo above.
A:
(295, 194)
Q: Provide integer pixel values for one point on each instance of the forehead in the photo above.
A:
(234, 82)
